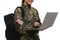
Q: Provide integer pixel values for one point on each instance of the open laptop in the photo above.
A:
(48, 20)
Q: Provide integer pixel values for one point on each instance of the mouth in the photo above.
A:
(30, 1)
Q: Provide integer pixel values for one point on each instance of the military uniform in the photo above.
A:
(30, 16)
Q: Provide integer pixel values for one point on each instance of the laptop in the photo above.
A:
(48, 20)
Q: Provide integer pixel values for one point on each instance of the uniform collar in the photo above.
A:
(28, 6)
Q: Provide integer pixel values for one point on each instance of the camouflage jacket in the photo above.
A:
(30, 16)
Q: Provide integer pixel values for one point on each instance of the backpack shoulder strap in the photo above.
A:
(22, 12)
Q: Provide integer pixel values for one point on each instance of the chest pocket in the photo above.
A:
(29, 15)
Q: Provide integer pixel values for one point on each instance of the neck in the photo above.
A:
(25, 4)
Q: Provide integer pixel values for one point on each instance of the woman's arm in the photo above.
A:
(36, 16)
(17, 16)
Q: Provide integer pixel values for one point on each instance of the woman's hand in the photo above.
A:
(36, 24)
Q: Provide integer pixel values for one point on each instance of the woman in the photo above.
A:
(31, 20)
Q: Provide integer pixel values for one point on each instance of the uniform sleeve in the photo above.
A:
(36, 15)
(17, 14)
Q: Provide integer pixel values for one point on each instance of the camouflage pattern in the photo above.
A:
(30, 16)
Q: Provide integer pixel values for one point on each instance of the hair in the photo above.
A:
(22, 1)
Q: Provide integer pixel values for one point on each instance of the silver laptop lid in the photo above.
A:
(49, 19)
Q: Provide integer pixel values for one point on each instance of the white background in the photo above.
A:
(43, 6)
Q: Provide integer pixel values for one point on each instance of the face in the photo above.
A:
(28, 1)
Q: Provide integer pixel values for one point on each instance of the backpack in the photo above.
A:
(10, 32)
